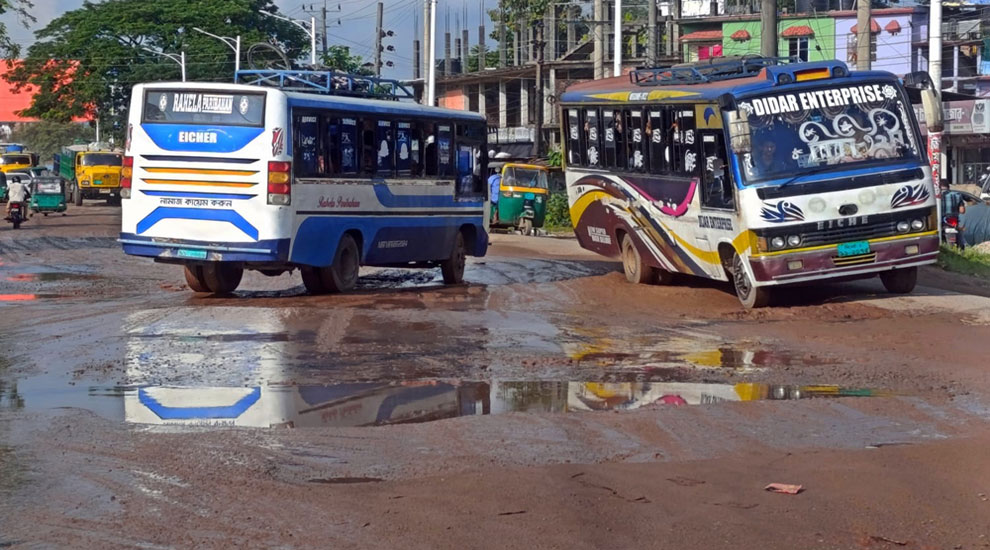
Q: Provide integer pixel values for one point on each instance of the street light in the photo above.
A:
(180, 59)
(232, 43)
(311, 31)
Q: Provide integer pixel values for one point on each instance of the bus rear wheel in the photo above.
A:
(453, 267)
(750, 295)
(342, 275)
(195, 278)
(221, 277)
(899, 281)
(632, 263)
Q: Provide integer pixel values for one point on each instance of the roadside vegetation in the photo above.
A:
(968, 262)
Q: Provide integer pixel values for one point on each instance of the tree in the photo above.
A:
(19, 8)
(340, 58)
(47, 137)
(86, 61)
(491, 58)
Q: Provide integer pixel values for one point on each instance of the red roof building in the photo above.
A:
(874, 27)
(702, 36)
(741, 35)
(797, 31)
(11, 102)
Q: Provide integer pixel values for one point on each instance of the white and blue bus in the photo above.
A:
(220, 178)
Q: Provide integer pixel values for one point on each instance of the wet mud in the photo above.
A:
(546, 391)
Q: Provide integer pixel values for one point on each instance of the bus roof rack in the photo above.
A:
(710, 70)
(326, 82)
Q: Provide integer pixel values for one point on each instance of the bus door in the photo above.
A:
(717, 220)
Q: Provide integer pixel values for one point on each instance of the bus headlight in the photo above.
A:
(903, 227)
(793, 240)
(917, 225)
(777, 243)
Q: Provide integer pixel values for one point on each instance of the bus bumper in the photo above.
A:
(824, 263)
(273, 250)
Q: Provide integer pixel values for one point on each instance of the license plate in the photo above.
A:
(104, 191)
(193, 254)
(853, 249)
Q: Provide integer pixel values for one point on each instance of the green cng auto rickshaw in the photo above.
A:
(47, 195)
(522, 196)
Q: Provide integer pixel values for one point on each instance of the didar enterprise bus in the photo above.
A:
(300, 170)
(753, 170)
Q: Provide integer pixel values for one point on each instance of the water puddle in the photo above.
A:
(50, 276)
(380, 404)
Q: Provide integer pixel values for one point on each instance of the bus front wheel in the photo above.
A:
(750, 295)
(453, 267)
(222, 278)
(312, 280)
(899, 281)
(632, 263)
(342, 275)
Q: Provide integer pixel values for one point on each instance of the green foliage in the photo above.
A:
(48, 137)
(21, 10)
(554, 158)
(86, 61)
(340, 58)
(558, 211)
(518, 13)
(491, 58)
(967, 262)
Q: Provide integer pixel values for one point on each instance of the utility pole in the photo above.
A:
(768, 31)
(651, 34)
(323, 20)
(502, 62)
(617, 46)
(378, 40)
(598, 53)
(482, 61)
(426, 39)
(863, 34)
(935, 73)
(431, 87)
(538, 131)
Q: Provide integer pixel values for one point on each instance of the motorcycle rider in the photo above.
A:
(17, 192)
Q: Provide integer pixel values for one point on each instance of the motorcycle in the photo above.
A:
(16, 215)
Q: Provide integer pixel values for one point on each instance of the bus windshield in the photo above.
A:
(849, 126)
(14, 159)
(100, 159)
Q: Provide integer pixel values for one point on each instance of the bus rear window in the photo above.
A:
(204, 107)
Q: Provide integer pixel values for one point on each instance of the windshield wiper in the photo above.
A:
(813, 171)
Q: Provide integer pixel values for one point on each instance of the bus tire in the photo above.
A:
(899, 281)
(195, 279)
(452, 268)
(222, 277)
(664, 277)
(750, 295)
(342, 275)
(312, 280)
(632, 263)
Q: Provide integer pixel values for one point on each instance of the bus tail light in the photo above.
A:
(279, 182)
(126, 172)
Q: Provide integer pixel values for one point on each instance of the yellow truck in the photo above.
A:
(17, 162)
(92, 172)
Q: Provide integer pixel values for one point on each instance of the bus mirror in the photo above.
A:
(739, 131)
(933, 109)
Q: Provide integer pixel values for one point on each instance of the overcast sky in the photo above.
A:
(356, 28)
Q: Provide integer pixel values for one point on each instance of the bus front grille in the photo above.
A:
(854, 260)
(847, 234)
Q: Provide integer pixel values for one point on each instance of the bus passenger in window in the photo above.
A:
(369, 153)
(764, 157)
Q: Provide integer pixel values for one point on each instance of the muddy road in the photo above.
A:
(546, 404)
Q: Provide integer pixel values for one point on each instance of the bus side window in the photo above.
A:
(636, 143)
(593, 138)
(608, 139)
(384, 148)
(403, 149)
(621, 143)
(369, 149)
(445, 149)
(573, 138)
(684, 157)
(657, 129)
(429, 148)
(308, 146)
(349, 146)
(470, 158)
(332, 150)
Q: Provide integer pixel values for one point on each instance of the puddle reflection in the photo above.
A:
(379, 404)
